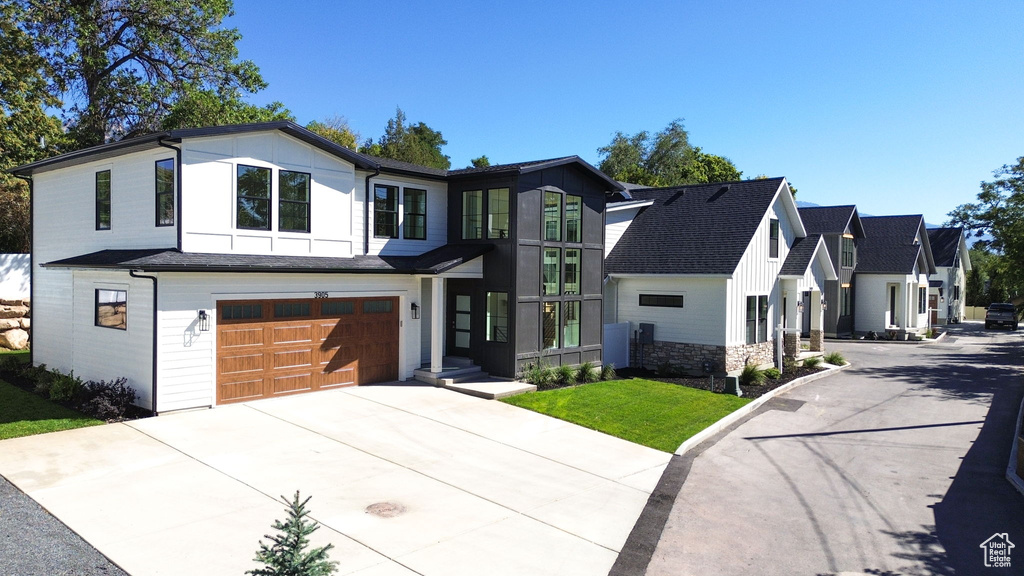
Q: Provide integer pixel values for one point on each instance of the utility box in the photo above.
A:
(646, 335)
(732, 385)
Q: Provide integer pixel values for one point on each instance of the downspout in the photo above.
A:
(31, 254)
(153, 278)
(366, 212)
(177, 187)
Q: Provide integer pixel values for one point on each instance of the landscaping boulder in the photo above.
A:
(13, 311)
(26, 323)
(16, 339)
(9, 323)
(5, 302)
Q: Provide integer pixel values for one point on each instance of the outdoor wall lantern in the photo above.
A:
(415, 311)
(799, 307)
(204, 321)
(824, 304)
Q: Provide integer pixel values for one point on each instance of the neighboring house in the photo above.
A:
(894, 261)
(232, 263)
(841, 228)
(946, 296)
(713, 269)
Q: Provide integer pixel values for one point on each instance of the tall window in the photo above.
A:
(253, 197)
(414, 222)
(757, 319)
(572, 270)
(497, 213)
(497, 317)
(922, 300)
(553, 216)
(773, 238)
(552, 261)
(572, 324)
(472, 214)
(112, 309)
(293, 210)
(385, 211)
(845, 301)
(550, 324)
(573, 218)
(103, 200)
(165, 192)
(848, 252)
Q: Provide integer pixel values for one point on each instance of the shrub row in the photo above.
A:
(104, 400)
(544, 376)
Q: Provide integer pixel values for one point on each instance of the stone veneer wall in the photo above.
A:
(15, 324)
(680, 355)
(817, 341)
(757, 354)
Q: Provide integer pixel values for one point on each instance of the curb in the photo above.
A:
(1011, 466)
(728, 420)
(924, 342)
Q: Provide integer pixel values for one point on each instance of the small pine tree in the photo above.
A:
(287, 556)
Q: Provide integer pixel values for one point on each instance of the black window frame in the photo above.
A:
(103, 204)
(473, 223)
(96, 308)
(847, 252)
(577, 270)
(495, 331)
(164, 195)
(551, 310)
(922, 300)
(380, 213)
(408, 215)
(282, 202)
(552, 223)
(499, 233)
(774, 232)
(756, 327)
(556, 273)
(572, 313)
(661, 300)
(578, 237)
(239, 197)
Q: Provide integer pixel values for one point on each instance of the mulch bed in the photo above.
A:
(704, 382)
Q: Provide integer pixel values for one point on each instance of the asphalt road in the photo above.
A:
(895, 466)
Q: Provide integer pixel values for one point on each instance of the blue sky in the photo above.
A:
(898, 107)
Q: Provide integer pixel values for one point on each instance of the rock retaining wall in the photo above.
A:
(15, 324)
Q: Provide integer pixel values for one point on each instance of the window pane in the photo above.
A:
(415, 221)
(253, 197)
(291, 309)
(661, 300)
(385, 211)
(572, 324)
(550, 322)
(377, 306)
(103, 200)
(552, 257)
(472, 214)
(336, 308)
(751, 319)
(497, 317)
(165, 192)
(294, 186)
(294, 217)
(497, 213)
(112, 309)
(762, 319)
(573, 218)
(572, 271)
(552, 216)
(773, 242)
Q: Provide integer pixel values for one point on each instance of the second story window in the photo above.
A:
(293, 209)
(553, 216)
(573, 218)
(572, 270)
(415, 221)
(497, 213)
(848, 252)
(103, 200)
(385, 211)
(165, 192)
(551, 271)
(253, 197)
(472, 214)
(773, 238)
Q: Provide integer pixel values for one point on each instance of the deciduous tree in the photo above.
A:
(415, 143)
(337, 130)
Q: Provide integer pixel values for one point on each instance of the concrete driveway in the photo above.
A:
(404, 480)
(894, 466)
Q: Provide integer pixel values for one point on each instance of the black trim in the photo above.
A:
(393, 224)
(269, 199)
(156, 189)
(109, 201)
(155, 332)
(406, 213)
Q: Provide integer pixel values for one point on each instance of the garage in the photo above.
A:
(268, 348)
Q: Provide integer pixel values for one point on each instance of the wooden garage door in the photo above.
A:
(270, 348)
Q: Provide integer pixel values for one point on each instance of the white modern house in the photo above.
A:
(946, 290)
(707, 273)
(233, 263)
(894, 261)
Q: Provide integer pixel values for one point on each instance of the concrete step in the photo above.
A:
(425, 375)
(489, 388)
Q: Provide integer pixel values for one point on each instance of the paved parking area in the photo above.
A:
(471, 485)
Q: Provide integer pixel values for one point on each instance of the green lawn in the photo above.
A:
(654, 414)
(24, 414)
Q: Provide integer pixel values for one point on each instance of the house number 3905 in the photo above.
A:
(320, 295)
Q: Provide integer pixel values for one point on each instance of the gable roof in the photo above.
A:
(802, 253)
(699, 229)
(533, 166)
(172, 260)
(832, 220)
(945, 243)
(888, 245)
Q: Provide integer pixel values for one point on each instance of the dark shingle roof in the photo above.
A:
(800, 254)
(888, 246)
(524, 167)
(699, 229)
(514, 166)
(945, 242)
(172, 260)
(829, 219)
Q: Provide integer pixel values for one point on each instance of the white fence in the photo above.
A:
(15, 279)
(616, 344)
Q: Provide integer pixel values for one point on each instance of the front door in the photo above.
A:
(460, 323)
(805, 327)
(933, 306)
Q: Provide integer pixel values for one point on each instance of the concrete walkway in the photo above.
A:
(404, 480)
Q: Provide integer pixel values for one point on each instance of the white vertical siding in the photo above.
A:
(437, 216)
(52, 314)
(616, 223)
(699, 321)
